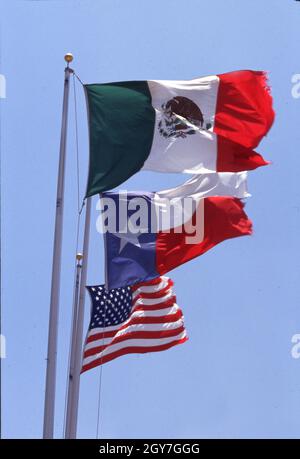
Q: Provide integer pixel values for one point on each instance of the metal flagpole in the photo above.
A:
(73, 334)
(56, 267)
(74, 381)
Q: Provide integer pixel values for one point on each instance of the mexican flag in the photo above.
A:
(209, 124)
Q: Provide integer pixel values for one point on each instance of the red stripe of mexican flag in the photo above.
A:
(245, 122)
(244, 111)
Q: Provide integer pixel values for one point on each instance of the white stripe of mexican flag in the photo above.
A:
(184, 121)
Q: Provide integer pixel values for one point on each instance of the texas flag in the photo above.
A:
(148, 234)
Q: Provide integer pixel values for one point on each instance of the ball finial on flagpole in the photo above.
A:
(79, 256)
(68, 58)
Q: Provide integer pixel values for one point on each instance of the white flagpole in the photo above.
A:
(56, 267)
(76, 349)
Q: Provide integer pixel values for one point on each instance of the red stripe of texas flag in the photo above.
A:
(224, 218)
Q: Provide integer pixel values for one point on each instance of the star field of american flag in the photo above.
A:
(136, 319)
(109, 308)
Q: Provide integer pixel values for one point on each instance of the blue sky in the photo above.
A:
(235, 377)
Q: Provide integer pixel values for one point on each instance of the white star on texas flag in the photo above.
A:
(128, 238)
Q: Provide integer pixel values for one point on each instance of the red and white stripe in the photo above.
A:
(155, 324)
(237, 107)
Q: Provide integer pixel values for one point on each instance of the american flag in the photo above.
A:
(135, 319)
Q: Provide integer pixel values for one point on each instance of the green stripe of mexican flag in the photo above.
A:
(199, 126)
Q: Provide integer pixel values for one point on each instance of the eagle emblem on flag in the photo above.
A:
(181, 117)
